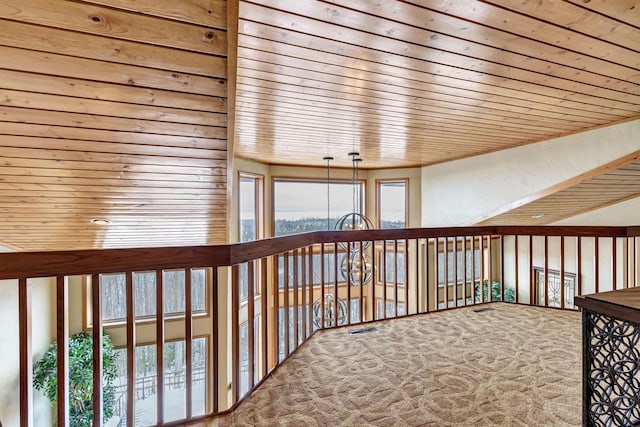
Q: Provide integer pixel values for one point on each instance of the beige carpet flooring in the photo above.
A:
(508, 366)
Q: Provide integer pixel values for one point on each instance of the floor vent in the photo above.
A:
(363, 331)
(482, 310)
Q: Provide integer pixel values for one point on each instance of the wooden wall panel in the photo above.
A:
(113, 109)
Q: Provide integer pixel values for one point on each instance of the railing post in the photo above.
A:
(62, 350)
(96, 307)
(26, 363)
(131, 345)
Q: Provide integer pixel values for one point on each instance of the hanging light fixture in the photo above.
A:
(357, 263)
(354, 220)
(328, 159)
(331, 317)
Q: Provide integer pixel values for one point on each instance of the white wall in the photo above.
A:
(43, 333)
(621, 214)
(460, 192)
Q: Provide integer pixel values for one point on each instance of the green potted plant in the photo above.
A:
(80, 377)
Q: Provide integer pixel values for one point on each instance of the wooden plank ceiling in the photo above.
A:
(610, 184)
(112, 109)
(117, 109)
(421, 81)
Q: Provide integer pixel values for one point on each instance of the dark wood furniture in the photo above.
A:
(611, 358)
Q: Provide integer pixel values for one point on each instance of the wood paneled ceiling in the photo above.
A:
(118, 109)
(610, 184)
(112, 109)
(414, 82)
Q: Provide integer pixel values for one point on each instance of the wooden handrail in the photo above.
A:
(17, 265)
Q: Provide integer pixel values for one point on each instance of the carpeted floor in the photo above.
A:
(510, 365)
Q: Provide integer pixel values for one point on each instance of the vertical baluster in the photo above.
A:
(96, 307)
(395, 276)
(160, 345)
(406, 277)
(26, 361)
(235, 333)
(335, 284)
(473, 270)
(579, 262)
(286, 305)
(131, 349)
(427, 276)
(276, 310)
(374, 280)
(446, 272)
(489, 269)
(62, 350)
(384, 279)
(251, 310)
(348, 280)
(311, 293)
(614, 272)
(188, 343)
(417, 272)
(464, 270)
(455, 271)
(264, 310)
(546, 271)
(502, 278)
(215, 337)
(596, 263)
(625, 263)
(361, 288)
(296, 283)
(322, 290)
(532, 288)
(517, 297)
(303, 259)
(562, 292)
(482, 269)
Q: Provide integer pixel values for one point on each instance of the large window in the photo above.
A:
(250, 207)
(174, 372)
(114, 302)
(392, 204)
(301, 206)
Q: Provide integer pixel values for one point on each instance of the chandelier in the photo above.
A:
(331, 317)
(357, 263)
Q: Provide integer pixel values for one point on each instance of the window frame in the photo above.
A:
(275, 179)
(87, 319)
(379, 184)
(259, 203)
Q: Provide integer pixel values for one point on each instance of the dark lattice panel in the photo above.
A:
(613, 394)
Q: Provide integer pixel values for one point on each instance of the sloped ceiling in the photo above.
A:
(610, 184)
(112, 109)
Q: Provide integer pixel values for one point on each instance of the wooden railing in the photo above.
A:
(276, 293)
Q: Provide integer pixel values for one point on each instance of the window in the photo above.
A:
(114, 301)
(387, 273)
(174, 381)
(473, 258)
(390, 309)
(250, 225)
(301, 206)
(250, 207)
(392, 204)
